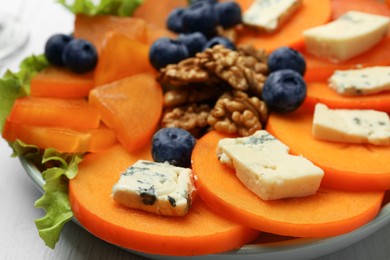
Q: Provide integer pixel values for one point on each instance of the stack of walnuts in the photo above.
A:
(217, 89)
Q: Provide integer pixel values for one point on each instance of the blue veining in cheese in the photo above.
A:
(155, 187)
(263, 164)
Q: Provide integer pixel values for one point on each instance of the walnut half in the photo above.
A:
(237, 113)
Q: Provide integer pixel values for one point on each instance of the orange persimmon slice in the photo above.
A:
(55, 112)
(121, 57)
(310, 14)
(61, 139)
(61, 83)
(320, 92)
(94, 28)
(358, 167)
(131, 106)
(327, 213)
(200, 232)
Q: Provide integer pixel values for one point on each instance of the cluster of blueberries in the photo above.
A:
(78, 55)
(197, 28)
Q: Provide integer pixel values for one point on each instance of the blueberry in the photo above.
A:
(173, 145)
(166, 51)
(201, 17)
(219, 40)
(175, 20)
(194, 42)
(229, 14)
(80, 56)
(284, 90)
(286, 58)
(54, 48)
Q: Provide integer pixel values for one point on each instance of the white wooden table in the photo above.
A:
(18, 235)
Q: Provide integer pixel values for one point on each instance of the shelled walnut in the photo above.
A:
(237, 113)
(184, 73)
(191, 117)
(245, 69)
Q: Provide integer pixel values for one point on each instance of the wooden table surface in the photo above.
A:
(18, 236)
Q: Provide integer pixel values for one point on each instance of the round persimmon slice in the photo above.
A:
(358, 167)
(327, 213)
(201, 231)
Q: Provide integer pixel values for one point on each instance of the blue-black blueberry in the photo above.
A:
(286, 58)
(175, 20)
(229, 14)
(173, 145)
(194, 42)
(80, 56)
(219, 40)
(166, 51)
(201, 17)
(54, 48)
(284, 91)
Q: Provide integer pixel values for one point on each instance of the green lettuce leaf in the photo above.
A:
(15, 85)
(104, 7)
(60, 167)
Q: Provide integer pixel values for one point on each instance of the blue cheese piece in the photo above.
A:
(269, 15)
(348, 36)
(159, 188)
(370, 80)
(351, 125)
(263, 164)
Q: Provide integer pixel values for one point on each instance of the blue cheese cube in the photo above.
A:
(365, 81)
(263, 164)
(159, 188)
(269, 15)
(348, 36)
(351, 125)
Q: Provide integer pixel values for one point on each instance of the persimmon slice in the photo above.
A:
(359, 167)
(201, 231)
(61, 83)
(131, 106)
(290, 34)
(320, 92)
(327, 213)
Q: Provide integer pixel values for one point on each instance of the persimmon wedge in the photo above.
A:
(200, 232)
(75, 113)
(94, 28)
(320, 92)
(131, 106)
(61, 139)
(358, 167)
(327, 213)
(58, 82)
(121, 57)
(290, 34)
